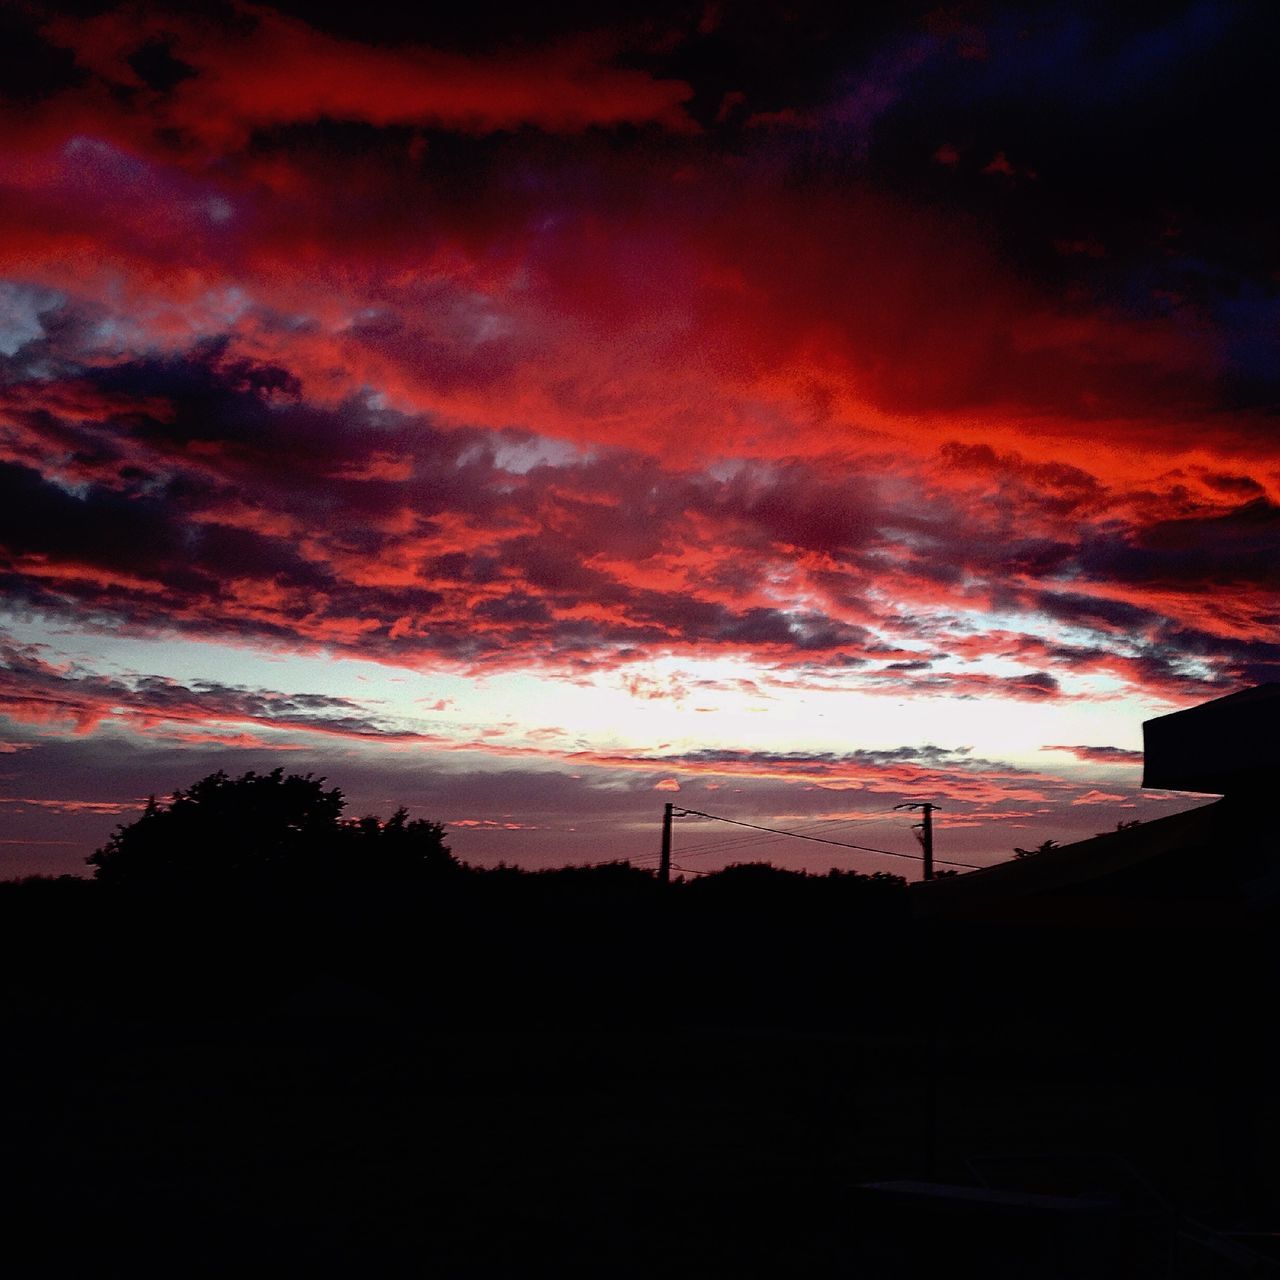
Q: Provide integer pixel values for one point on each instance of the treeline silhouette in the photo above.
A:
(261, 1016)
(240, 893)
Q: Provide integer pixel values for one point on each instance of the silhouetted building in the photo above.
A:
(1204, 869)
(1211, 867)
(1148, 957)
(1224, 747)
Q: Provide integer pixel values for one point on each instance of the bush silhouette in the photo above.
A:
(1045, 846)
(264, 826)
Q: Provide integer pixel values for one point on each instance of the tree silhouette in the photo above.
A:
(264, 826)
(398, 847)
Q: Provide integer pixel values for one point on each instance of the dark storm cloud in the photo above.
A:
(202, 491)
(175, 505)
(987, 255)
(1236, 549)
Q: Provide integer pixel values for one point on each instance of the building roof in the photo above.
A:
(1104, 868)
(1210, 866)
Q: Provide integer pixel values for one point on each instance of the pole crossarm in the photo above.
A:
(800, 835)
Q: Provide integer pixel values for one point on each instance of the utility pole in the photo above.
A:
(927, 1005)
(926, 808)
(664, 864)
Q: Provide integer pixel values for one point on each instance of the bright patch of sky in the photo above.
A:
(668, 706)
(519, 455)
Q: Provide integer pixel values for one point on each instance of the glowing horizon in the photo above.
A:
(509, 422)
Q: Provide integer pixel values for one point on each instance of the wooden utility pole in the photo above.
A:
(926, 808)
(664, 864)
(927, 1005)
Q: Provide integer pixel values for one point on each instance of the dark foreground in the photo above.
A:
(590, 1079)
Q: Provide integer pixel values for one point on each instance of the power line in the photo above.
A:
(743, 842)
(843, 844)
(732, 841)
(822, 823)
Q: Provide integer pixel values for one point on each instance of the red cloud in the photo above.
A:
(1098, 797)
(1102, 755)
(170, 508)
(831, 428)
(264, 69)
(488, 824)
(75, 806)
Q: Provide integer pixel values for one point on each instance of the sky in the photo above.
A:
(534, 416)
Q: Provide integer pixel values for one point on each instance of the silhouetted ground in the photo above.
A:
(511, 1075)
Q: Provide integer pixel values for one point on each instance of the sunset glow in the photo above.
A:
(509, 419)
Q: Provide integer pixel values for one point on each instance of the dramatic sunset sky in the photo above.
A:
(532, 417)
